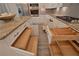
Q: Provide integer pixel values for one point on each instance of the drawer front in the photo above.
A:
(17, 32)
(13, 36)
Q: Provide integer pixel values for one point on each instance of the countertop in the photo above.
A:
(8, 27)
(74, 26)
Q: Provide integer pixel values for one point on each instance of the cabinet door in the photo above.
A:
(53, 5)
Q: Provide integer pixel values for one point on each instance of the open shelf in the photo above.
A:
(54, 49)
(23, 39)
(67, 49)
(26, 42)
(32, 45)
(66, 33)
(75, 44)
(64, 42)
(63, 48)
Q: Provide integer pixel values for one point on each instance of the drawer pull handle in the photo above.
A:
(16, 34)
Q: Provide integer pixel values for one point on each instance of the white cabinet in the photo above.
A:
(53, 5)
(5, 44)
(8, 40)
(70, 4)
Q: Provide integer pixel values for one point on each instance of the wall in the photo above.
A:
(53, 5)
(2, 8)
(42, 9)
(11, 7)
(69, 11)
(25, 9)
(20, 9)
(44, 6)
(70, 4)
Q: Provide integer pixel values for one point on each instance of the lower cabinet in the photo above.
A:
(12, 36)
(8, 41)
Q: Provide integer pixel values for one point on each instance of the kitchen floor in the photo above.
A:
(43, 46)
(37, 23)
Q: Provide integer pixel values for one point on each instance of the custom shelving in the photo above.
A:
(54, 49)
(75, 44)
(26, 42)
(62, 46)
(67, 49)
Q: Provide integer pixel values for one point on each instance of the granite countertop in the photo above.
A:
(72, 25)
(8, 27)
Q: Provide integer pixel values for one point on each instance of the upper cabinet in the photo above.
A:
(70, 4)
(53, 5)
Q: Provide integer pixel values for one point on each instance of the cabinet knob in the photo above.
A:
(16, 34)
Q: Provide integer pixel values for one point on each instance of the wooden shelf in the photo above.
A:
(64, 38)
(32, 45)
(67, 49)
(75, 45)
(22, 41)
(26, 42)
(64, 34)
(54, 49)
